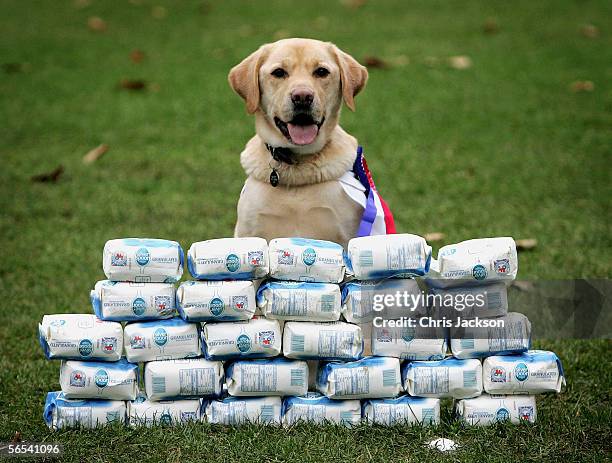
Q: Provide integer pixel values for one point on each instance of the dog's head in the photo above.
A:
(295, 87)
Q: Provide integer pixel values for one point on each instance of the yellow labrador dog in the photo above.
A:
(299, 162)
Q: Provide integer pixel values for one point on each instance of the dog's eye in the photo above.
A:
(279, 73)
(321, 72)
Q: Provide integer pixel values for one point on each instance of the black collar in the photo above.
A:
(281, 154)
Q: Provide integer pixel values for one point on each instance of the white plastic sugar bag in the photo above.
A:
(480, 260)
(144, 412)
(80, 337)
(490, 409)
(302, 259)
(99, 380)
(62, 413)
(383, 256)
(122, 301)
(504, 335)
(216, 300)
(290, 300)
(240, 410)
(143, 260)
(161, 340)
(482, 301)
(269, 377)
(409, 343)
(228, 258)
(532, 372)
(370, 377)
(183, 378)
(256, 338)
(320, 340)
(450, 377)
(390, 298)
(402, 410)
(316, 408)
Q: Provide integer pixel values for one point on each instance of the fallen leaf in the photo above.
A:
(460, 62)
(137, 55)
(52, 176)
(490, 26)
(132, 84)
(96, 24)
(374, 62)
(95, 153)
(245, 30)
(400, 60)
(281, 34)
(159, 12)
(154, 87)
(16, 438)
(526, 286)
(582, 86)
(589, 30)
(434, 236)
(321, 22)
(353, 3)
(526, 244)
(80, 4)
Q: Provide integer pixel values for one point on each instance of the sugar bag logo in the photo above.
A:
(165, 419)
(243, 342)
(85, 347)
(502, 266)
(309, 256)
(521, 372)
(232, 262)
(101, 378)
(142, 256)
(138, 306)
(498, 375)
(502, 414)
(239, 302)
(526, 413)
(285, 257)
(77, 378)
(384, 335)
(266, 338)
(160, 337)
(188, 416)
(256, 258)
(57, 323)
(137, 341)
(216, 306)
(109, 345)
(479, 272)
(118, 259)
(408, 333)
(163, 303)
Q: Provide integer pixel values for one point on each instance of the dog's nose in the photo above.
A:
(302, 97)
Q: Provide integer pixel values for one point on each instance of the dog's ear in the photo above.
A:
(353, 76)
(244, 79)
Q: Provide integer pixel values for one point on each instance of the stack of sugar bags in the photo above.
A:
(228, 272)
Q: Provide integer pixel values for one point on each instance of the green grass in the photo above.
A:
(502, 148)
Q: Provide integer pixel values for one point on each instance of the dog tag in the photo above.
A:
(274, 178)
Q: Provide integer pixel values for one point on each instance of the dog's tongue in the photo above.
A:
(302, 134)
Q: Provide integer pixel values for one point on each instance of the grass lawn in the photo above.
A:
(504, 147)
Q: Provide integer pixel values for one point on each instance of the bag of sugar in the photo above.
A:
(183, 378)
(322, 340)
(122, 301)
(200, 301)
(99, 380)
(370, 377)
(490, 409)
(475, 261)
(80, 337)
(290, 300)
(241, 410)
(161, 340)
(402, 410)
(316, 408)
(228, 259)
(384, 256)
(409, 343)
(144, 412)
(482, 301)
(362, 301)
(269, 377)
(532, 372)
(256, 338)
(450, 377)
(63, 413)
(504, 335)
(302, 259)
(143, 260)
